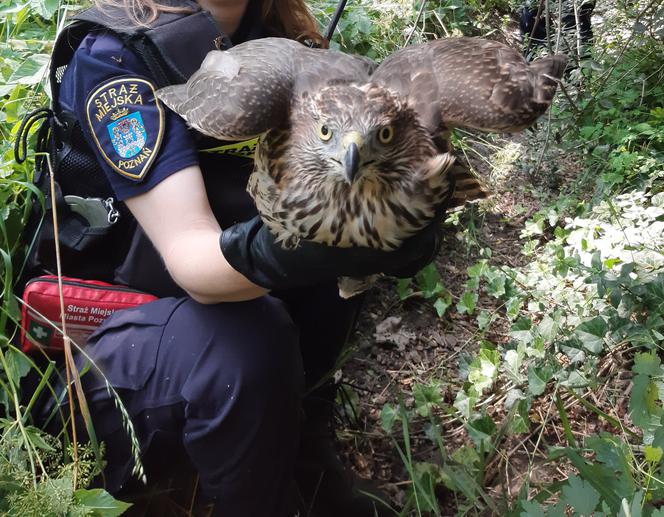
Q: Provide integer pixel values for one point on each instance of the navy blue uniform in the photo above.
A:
(109, 90)
(220, 382)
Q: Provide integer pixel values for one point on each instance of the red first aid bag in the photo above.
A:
(87, 304)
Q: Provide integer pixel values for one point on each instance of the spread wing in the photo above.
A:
(242, 92)
(472, 82)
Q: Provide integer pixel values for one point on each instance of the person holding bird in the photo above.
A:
(228, 368)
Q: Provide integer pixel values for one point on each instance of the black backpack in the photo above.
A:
(94, 229)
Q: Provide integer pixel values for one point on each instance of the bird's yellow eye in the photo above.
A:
(385, 134)
(324, 132)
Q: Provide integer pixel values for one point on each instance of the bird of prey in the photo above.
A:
(355, 154)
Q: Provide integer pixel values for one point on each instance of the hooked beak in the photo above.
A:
(352, 143)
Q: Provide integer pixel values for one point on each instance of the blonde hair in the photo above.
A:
(286, 18)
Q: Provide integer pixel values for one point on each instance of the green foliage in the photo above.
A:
(27, 32)
(376, 29)
(428, 284)
(593, 288)
(459, 472)
(52, 492)
(620, 114)
(37, 475)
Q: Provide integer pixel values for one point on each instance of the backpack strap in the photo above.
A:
(172, 47)
(176, 42)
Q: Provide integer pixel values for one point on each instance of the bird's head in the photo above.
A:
(350, 133)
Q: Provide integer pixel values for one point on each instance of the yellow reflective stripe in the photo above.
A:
(245, 148)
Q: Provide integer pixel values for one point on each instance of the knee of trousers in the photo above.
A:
(244, 355)
(231, 373)
(180, 347)
(242, 402)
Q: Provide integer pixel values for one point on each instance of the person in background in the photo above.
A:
(533, 25)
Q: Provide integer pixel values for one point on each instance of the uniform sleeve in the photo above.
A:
(138, 140)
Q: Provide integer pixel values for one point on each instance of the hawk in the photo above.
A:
(355, 154)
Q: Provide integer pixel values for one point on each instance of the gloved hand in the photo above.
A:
(250, 248)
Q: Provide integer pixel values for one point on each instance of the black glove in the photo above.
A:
(250, 248)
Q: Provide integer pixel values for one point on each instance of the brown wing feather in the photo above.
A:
(472, 82)
(242, 92)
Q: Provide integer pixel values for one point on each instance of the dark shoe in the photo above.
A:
(327, 488)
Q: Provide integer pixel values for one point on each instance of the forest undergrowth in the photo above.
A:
(520, 374)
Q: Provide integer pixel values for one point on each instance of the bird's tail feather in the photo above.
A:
(349, 286)
(467, 186)
(549, 71)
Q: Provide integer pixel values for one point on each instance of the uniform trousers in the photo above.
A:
(223, 383)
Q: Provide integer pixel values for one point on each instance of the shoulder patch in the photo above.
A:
(127, 123)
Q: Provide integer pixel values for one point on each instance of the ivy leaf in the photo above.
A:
(591, 333)
(481, 430)
(581, 495)
(537, 347)
(547, 328)
(478, 269)
(465, 404)
(513, 362)
(596, 261)
(483, 319)
(467, 302)
(513, 307)
(473, 283)
(576, 379)
(513, 396)
(522, 330)
(443, 303)
(520, 422)
(495, 283)
(427, 396)
(429, 281)
(537, 379)
(532, 228)
(404, 290)
(484, 369)
(575, 355)
(466, 455)
(388, 416)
